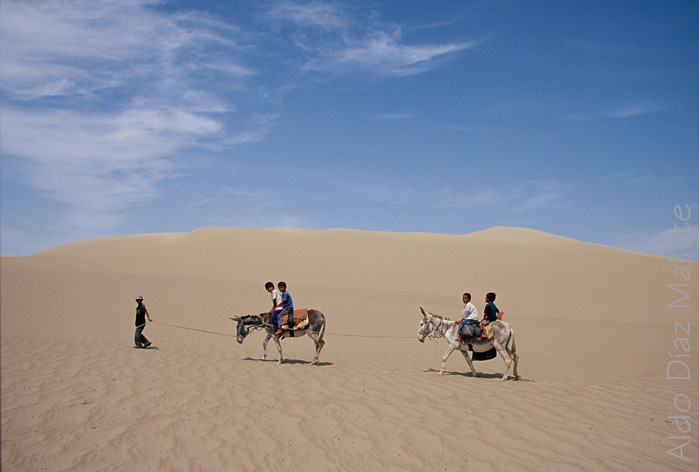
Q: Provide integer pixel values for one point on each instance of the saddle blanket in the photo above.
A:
(300, 319)
(489, 331)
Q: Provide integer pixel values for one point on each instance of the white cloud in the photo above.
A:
(637, 109)
(679, 243)
(338, 41)
(528, 195)
(384, 52)
(100, 95)
(394, 116)
(531, 195)
(100, 98)
(322, 15)
(67, 47)
(617, 112)
(97, 160)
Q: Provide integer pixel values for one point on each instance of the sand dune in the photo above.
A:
(592, 323)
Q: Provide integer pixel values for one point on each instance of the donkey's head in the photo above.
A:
(243, 327)
(426, 326)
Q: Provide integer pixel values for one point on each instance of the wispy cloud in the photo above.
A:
(635, 110)
(75, 47)
(339, 41)
(635, 177)
(394, 116)
(384, 52)
(99, 96)
(529, 195)
(96, 161)
(104, 103)
(682, 243)
(616, 112)
(327, 16)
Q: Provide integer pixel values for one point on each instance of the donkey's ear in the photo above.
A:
(423, 311)
(234, 318)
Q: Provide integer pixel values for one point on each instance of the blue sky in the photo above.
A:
(123, 117)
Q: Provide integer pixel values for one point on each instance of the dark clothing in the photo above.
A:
(275, 319)
(287, 304)
(287, 309)
(490, 313)
(139, 338)
(470, 329)
(140, 314)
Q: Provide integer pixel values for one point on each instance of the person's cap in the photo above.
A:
(139, 297)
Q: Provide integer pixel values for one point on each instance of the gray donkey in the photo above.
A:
(315, 329)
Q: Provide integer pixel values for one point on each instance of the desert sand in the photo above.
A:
(593, 329)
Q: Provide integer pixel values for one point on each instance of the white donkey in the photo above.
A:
(503, 340)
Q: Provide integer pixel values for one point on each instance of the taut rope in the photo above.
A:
(194, 329)
(256, 327)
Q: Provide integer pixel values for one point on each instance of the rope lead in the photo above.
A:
(331, 334)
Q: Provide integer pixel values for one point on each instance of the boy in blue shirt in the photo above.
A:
(287, 307)
(490, 313)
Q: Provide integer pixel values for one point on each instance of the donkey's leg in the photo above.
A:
(470, 362)
(279, 348)
(505, 357)
(515, 357)
(444, 359)
(319, 345)
(264, 347)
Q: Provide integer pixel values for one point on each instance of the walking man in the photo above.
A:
(141, 315)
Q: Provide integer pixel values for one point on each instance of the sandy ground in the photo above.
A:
(593, 327)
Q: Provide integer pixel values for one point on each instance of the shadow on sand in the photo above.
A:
(288, 361)
(470, 374)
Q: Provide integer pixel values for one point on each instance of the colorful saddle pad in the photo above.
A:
(300, 318)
